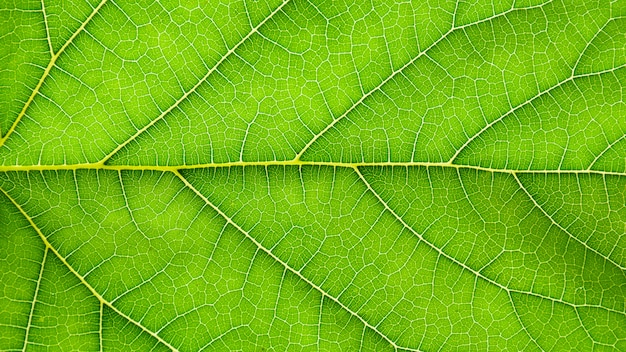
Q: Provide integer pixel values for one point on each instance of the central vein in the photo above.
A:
(290, 163)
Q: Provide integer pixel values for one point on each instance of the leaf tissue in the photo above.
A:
(313, 175)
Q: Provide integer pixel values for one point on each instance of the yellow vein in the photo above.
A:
(32, 307)
(392, 75)
(284, 264)
(538, 206)
(296, 163)
(47, 70)
(80, 277)
(195, 87)
(461, 264)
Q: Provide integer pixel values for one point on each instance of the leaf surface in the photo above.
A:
(313, 175)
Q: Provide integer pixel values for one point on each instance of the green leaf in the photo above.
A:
(313, 175)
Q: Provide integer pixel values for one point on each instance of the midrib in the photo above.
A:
(290, 163)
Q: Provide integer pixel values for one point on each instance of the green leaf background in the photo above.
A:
(313, 175)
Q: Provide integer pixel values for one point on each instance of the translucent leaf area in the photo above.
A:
(313, 175)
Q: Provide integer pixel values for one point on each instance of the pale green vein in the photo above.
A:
(582, 53)
(126, 205)
(195, 87)
(32, 307)
(608, 147)
(393, 74)
(284, 264)
(78, 275)
(540, 94)
(580, 322)
(519, 319)
(100, 329)
(586, 330)
(236, 328)
(538, 206)
(45, 21)
(463, 265)
(47, 70)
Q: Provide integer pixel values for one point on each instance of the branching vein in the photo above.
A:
(285, 265)
(79, 276)
(47, 70)
(195, 87)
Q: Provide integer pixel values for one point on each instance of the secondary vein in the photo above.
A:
(78, 275)
(47, 70)
(195, 87)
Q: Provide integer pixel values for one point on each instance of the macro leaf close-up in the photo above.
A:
(313, 175)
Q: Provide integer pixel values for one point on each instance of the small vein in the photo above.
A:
(47, 70)
(284, 264)
(527, 102)
(366, 95)
(462, 265)
(32, 307)
(519, 319)
(591, 338)
(80, 277)
(572, 77)
(580, 321)
(45, 21)
(538, 206)
(608, 147)
(100, 328)
(195, 87)
(393, 74)
(232, 330)
(127, 205)
(588, 45)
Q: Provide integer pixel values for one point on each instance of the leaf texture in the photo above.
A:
(313, 175)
